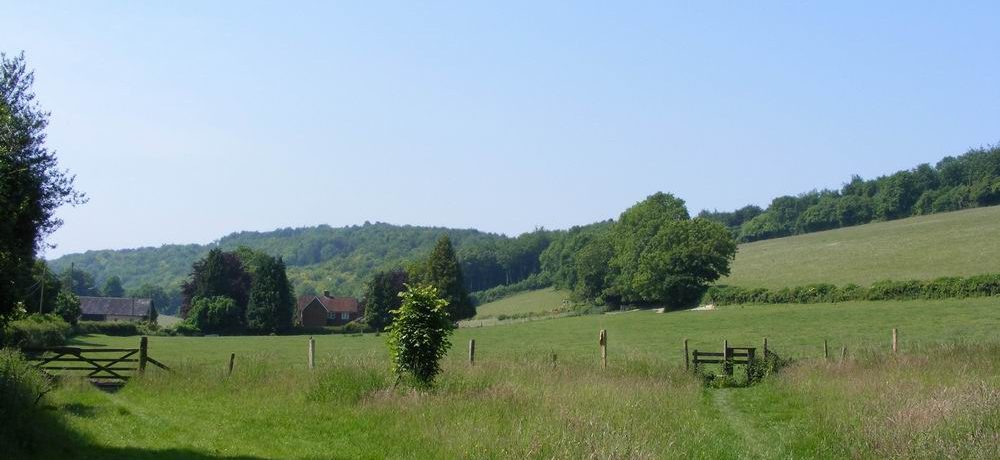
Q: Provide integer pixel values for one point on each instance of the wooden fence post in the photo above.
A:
(604, 348)
(312, 353)
(232, 358)
(687, 356)
(143, 353)
(727, 367)
(472, 352)
(765, 347)
(895, 347)
(826, 349)
(843, 353)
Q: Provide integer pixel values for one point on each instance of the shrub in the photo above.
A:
(418, 336)
(213, 315)
(116, 328)
(36, 331)
(895, 290)
(21, 387)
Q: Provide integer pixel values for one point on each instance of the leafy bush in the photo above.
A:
(182, 328)
(36, 331)
(419, 334)
(213, 315)
(21, 387)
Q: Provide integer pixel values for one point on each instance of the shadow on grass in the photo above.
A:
(50, 438)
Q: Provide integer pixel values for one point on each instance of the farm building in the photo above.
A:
(322, 310)
(115, 309)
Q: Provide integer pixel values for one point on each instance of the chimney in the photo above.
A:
(326, 293)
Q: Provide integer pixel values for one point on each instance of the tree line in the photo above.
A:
(954, 183)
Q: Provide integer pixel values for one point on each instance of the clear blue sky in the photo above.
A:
(187, 121)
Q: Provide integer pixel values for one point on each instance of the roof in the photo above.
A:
(332, 304)
(117, 306)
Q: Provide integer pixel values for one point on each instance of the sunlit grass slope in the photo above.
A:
(959, 243)
(538, 301)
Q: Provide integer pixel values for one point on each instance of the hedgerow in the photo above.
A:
(942, 288)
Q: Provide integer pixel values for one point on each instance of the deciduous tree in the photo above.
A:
(31, 184)
(419, 334)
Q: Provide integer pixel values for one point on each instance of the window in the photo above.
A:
(345, 315)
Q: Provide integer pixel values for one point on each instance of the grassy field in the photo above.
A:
(959, 243)
(793, 330)
(939, 398)
(538, 301)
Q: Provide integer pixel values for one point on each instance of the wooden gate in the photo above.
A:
(100, 364)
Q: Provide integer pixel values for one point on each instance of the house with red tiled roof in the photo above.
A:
(323, 310)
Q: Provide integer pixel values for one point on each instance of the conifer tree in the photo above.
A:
(270, 306)
(382, 297)
(443, 272)
(218, 274)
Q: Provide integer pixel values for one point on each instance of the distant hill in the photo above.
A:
(319, 258)
(960, 243)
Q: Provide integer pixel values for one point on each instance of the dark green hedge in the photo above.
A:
(36, 331)
(941, 288)
(115, 328)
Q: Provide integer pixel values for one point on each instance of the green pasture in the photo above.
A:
(792, 330)
(936, 398)
(960, 243)
(538, 301)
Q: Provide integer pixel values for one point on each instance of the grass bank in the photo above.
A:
(961, 243)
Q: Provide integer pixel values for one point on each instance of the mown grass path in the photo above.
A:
(758, 443)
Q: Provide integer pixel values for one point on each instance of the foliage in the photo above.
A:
(32, 186)
(217, 274)
(46, 289)
(382, 297)
(79, 282)
(271, 304)
(320, 258)
(593, 271)
(68, 306)
(658, 254)
(216, 315)
(985, 285)
(970, 180)
(36, 331)
(442, 271)
(113, 287)
(419, 334)
(21, 388)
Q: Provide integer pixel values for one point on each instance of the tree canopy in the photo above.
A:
(32, 186)
(382, 297)
(443, 271)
